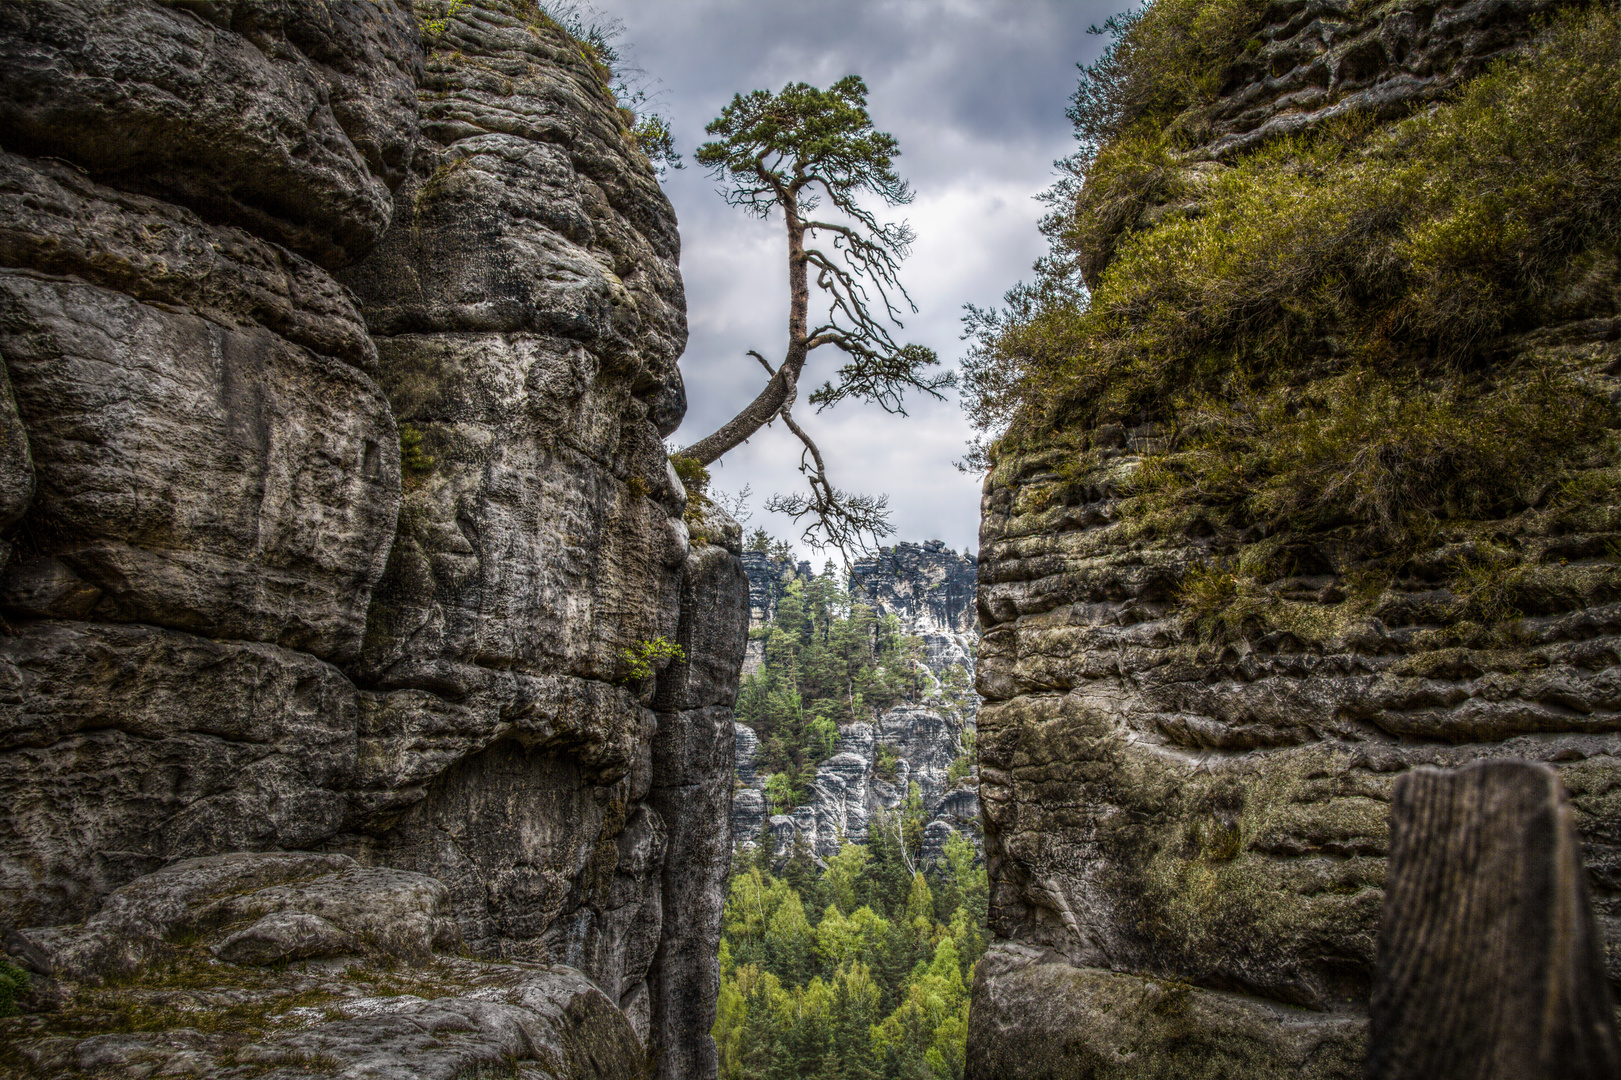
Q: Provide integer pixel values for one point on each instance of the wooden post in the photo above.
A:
(1489, 964)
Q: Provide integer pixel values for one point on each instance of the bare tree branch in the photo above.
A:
(839, 519)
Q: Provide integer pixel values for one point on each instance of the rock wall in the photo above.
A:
(929, 587)
(1186, 841)
(247, 253)
(768, 577)
(848, 791)
(930, 590)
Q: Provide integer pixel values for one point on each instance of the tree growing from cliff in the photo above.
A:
(794, 152)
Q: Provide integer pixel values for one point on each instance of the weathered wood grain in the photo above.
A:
(1489, 964)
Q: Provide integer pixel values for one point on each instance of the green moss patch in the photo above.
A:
(228, 1007)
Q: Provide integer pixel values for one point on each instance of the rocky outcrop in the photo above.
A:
(849, 791)
(929, 589)
(1186, 836)
(768, 577)
(215, 469)
(1319, 62)
(293, 121)
(247, 253)
(1313, 63)
(381, 987)
(927, 586)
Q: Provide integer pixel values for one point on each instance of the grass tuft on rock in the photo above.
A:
(14, 982)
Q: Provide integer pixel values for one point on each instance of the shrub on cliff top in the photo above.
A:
(1145, 96)
(1323, 332)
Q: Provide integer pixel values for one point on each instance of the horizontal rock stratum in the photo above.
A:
(1195, 703)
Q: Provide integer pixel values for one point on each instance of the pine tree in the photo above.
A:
(788, 153)
(853, 995)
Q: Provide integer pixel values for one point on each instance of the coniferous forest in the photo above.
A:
(859, 971)
(856, 966)
(829, 659)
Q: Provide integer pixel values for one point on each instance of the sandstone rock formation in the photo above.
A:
(241, 620)
(303, 964)
(927, 586)
(930, 590)
(1186, 839)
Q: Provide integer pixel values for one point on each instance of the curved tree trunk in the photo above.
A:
(765, 406)
(754, 416)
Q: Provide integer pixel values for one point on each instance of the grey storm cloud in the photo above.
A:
(975, 92)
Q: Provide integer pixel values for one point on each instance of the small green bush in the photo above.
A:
(652, 135)
(433, 27)
(695, 478)
(643, 658)
(413, 460)
(1208, 595)
(14, 981)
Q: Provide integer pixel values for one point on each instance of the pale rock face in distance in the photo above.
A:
(930, 590)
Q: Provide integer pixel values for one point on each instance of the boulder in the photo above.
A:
(295, 958)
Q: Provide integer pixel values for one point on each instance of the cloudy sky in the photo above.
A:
(975, 91)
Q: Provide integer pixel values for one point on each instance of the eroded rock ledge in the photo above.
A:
(1186, 841)
(247, 253)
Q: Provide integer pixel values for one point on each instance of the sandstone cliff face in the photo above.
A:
(238, 624)
(1186, 839)
(930, 590)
